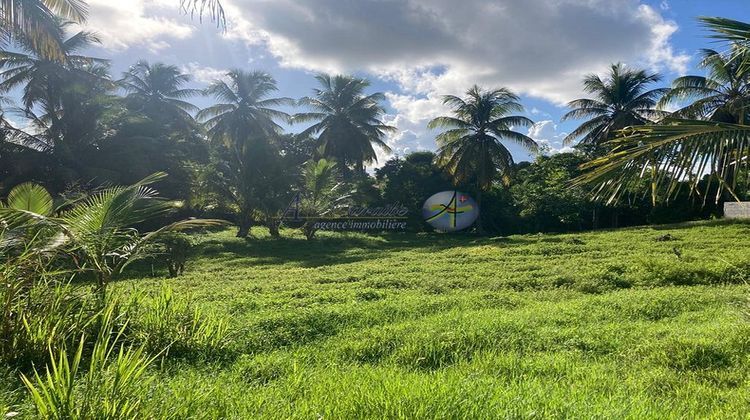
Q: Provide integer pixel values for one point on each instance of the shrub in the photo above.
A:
(175, 248)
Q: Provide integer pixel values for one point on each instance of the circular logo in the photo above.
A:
(450, 211)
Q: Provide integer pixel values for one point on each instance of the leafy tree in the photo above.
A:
(348, 121)
(621, 100)
(410, 181)
(544, 197)
(471, 149)
(244, 125)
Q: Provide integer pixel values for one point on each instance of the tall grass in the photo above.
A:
(181, 329)
(111, 387)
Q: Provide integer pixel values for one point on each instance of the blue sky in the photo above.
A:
(417, 50)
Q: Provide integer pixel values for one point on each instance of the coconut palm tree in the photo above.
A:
(681, 151)
(244, 110)
(244, 125)
(34, 22)
(471, 148)
(44, 80)
(348, 121)
(321, 193)
(98, 230)
(723, 96)
(158, 91)
(620, 100)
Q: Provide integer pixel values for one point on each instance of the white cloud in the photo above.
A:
(203, 74)
(122, 24)
(546, 134)
(538, 47)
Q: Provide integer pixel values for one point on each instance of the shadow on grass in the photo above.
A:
(327, 250)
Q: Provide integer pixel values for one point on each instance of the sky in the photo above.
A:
(414, 51)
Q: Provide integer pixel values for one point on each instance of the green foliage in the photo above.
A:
(410, 181)
(621, 100)
(174, 248)
(110, 388)
(249, 175)
(321, 193)
(471, 148)
(177, 327)
(347, 121)
(544, 196)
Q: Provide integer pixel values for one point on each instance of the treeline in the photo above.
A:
(76, 128)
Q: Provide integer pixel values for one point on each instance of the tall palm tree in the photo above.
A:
(680, 150)
(34, 23)
(158, 90)
(348, 121)
(45, 79)
(244, 110)
(723, 95)
(471, 148)
(620, 100)
(244, 123)
(61, 97)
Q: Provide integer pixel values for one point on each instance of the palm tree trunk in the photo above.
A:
(244, 223)
(480, 225)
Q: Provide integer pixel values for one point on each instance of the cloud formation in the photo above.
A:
(549, 138)
(539, 48)
(122, 24)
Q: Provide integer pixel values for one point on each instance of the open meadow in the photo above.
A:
(635, 323)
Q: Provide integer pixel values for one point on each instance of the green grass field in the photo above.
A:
(633, 323)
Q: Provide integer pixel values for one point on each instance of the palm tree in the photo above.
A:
(62, 97)
(245, 111)
(244, 123)
(98, 229)
(723, 96)
(44, 80)
(681, 151)
(34, 22)
(321, 193)
(621, 100)
(158, 90)
(471, 148)
(348, 121)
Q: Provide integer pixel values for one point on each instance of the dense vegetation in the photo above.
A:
(76, 127)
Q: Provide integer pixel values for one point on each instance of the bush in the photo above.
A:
(176, 248)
